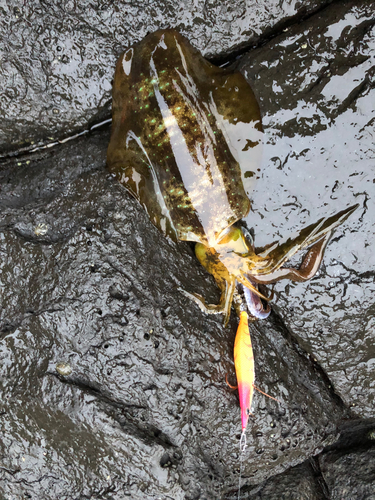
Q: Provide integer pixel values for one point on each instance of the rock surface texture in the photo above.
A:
(58, 58)
(112, 382)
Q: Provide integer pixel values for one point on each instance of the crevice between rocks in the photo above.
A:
(320, 482)
(7, 327)
(279, 28)
(121, 413)
(268, 35)
(355, 435)
(26, 151)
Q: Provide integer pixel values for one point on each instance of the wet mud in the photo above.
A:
(113, 382)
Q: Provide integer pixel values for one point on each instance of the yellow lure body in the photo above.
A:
(244, 366)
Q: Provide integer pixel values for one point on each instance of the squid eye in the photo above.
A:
(247, 411)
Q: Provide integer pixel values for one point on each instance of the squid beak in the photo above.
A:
(255, 305)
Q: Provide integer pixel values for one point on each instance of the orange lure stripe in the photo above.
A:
(244, 366)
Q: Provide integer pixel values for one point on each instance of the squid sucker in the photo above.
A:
(186, 143)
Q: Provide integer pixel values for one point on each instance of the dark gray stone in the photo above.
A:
(58, 58)
(349, 474)
(297, 483)
(113, 380)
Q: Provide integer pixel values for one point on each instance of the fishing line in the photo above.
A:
(242, 453)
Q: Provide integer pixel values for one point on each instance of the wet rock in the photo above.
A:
(297, 483)
(343, 471)
(58, 58)
(349, 474)
(144, 407)
(86, 280)
(316, 88)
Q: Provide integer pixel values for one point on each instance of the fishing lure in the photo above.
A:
(244, 366)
